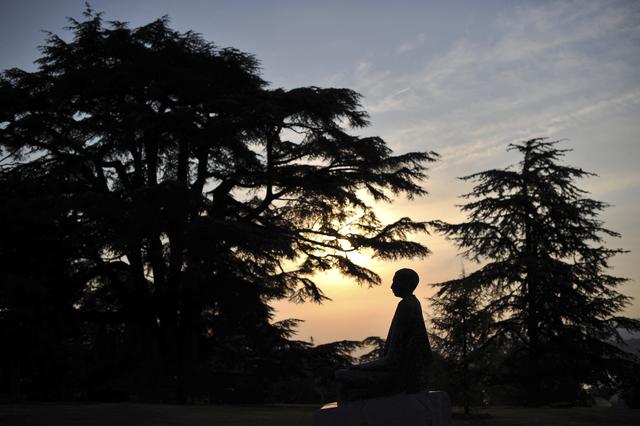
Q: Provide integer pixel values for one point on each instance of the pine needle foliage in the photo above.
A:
(544, 271)
(197, 193)
(461, 332)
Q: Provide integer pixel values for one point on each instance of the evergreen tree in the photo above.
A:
(462, 330)
(545, 270)
(194, 194)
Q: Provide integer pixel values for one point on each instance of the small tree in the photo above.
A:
(545, 270)
(461, 331)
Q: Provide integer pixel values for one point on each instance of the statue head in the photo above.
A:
(405, 280)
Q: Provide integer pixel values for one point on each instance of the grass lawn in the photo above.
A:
(517, 416)
(58, 414)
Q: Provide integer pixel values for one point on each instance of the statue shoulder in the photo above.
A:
(410, 305)
(410, 302)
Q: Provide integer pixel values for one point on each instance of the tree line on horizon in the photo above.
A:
(157, 195)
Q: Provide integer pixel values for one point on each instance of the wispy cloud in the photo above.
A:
(410, 45)
(563, 69)
(544, 67)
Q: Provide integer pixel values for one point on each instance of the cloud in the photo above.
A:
(408, 46)
(373, 83)
(622, 182)
(560, 69)
(603, 105)
(537, 71)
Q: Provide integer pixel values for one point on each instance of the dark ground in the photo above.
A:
(58, 414)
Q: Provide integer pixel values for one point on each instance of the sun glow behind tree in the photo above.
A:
(187, 209)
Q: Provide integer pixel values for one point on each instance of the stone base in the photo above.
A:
(417, 409)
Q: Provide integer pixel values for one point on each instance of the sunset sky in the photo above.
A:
(462, 79)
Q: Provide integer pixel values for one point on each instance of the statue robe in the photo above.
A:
(402, 368)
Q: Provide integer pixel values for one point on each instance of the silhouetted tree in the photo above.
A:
(194, 193)
(462, 330)
(376, 351)
(545, 269)
(29, 316)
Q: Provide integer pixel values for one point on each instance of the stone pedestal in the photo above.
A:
(418, 409)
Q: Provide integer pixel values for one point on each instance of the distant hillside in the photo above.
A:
(631, 341)
(629, 335)
(632, 345)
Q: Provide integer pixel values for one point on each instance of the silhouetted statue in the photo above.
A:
(407, 351)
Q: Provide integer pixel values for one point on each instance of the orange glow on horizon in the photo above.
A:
(356, 312)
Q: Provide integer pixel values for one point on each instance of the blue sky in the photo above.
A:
(462, 78)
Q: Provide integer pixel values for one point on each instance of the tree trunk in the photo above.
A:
(465, 371)
(531, 288)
